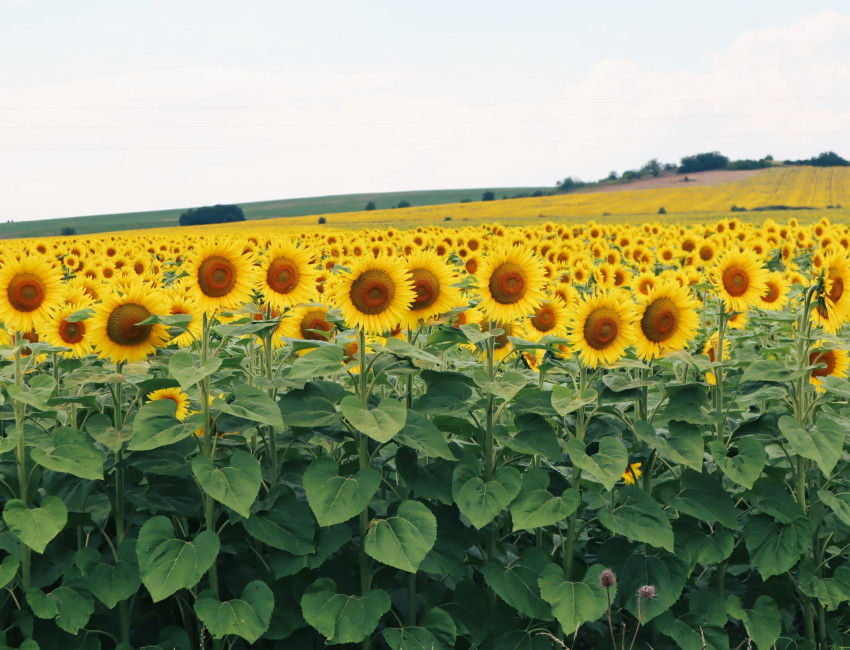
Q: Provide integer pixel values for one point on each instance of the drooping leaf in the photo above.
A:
(247, 616)
(572, 603)
(568, 400)
(341, 618)
(182, 367)
(35, 527)
(703, 497)
(70, 607)
(517, 582)
(420, 433)
(235, 485)
(333, 498)
(72, 453)
(605, 466)
(822, 443)
(763, 622)
(288, 525)
(479, 500)
(744, 464)
(380, 423)
(638, 517)
(156, 426)
(774, 546)
(253, 404)
(403, 540)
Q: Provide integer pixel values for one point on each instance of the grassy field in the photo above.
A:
(286, 208)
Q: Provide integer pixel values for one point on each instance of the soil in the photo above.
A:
(678, 180)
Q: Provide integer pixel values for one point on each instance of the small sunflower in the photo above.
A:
(710, 350)
(175, 394)
(740, 280)
(830, 363)
(287, 276)
(61, 332)
(115, 328)
(432, 285)
(550, 318)
(29, 288)
(667, 319)
(602, 327)
(510, 282)
(834, 307)
(775, 296)
(308, 323)
(178, 302)
(220, 276)
(632, 473)
(375, 295)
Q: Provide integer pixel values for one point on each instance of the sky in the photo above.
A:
(110, 107)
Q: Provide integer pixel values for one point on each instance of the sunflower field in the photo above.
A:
(544, 436)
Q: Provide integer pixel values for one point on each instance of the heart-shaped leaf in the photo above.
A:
(72, 453)
(235, 485)
(479, 500)
(35, 527)
(288, 525)
(250, 403)
(71, 608)
(342, 618)
(156, 426)
(182, 367)
(247, 616)
(573, 603)
(380, 423)
(403, 540)
(638, 517)
(333, 498)
(606, 465)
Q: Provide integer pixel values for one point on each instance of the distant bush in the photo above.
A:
(488, 196)
(750, 164)
(662, 210)
(466, 200)
(370, 205)
(447, 219)
(538, 193)
(630, 175)
(825, 159)
(322, 220)
(703, 162)
(403, 204)
(211, 214)
(569, 184)
(737, 208)
(67, 231)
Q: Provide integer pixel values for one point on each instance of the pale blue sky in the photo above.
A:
(120, 106)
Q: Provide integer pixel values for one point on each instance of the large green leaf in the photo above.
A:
(667, 573)
(250, 403)
(247, 616)
(324, 360)
(333, 498)
(567, 400)
(744, 464)
(638, 517)
(774, 546)
(822, 444)
(763, 622)
(573, 603)
(182, 367)
(479, 500)
(36, 394)
(35, 527)
(341, 618)
(70, 607)
(155, 426)
(606, 466)
(516, 582)
(436, 632)
(287, 525)
(8, 569)
(403, 540)
(167, 563)
(504, 387)
(682, 443)
(839, 504)
(536, 507)
(420, 433)
(72, 453)
(110, 583)
(236, 485)
(380, 423)
(433, 481)
(702, 496)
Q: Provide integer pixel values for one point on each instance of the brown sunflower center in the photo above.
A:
(372, 292)
(216, 276)
(706, 253)
(771, 293)
(471, 265)
(313, 324)
(122, 326)
(283, 275)
(822, 357)
(26, 292)
(545, 319)
(72, 332)
(139, 268)
(601, 328)
(836, 290)
(659, 320)
(31, 337)
(735, 281)
(507, 284)
(426, 286)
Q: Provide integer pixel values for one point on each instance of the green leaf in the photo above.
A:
(437, 632)
(155, 426)
(822, 444)
(333, 498)
(505, 387)
(8, 569)
(763, 623)
(71, 608)
(682, 444)
(341, 618)
(832, 591)
(433, 481)
(567, 400)
(638, 517)
(481, 501)
(288, 525)
(247, 616)
(667, 573)
(36, 394)
(308, 408)
(605, 466)
(72, 453)
(167, 563)
(516, 582)
(539, 508)
(573, 603)
(402, 541)
(420, 433)
(839, 504)
(522, 640)
(182, 367)
(775, 547)
(763, 370)
(685, 404)
(235, 485)
(324, 360)
(703, 497)
(404, 349)
(35, 527)
(743, 467)
(380, 423)
(112, 583)
(252, 404)
(99, 427)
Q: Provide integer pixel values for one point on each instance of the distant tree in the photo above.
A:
(652, 167)
(488, 196)
(403, 204)
(370, 205)
(466, 200)
(67, 231)
(612, 176)
(211, 214)
(569, 184)
(830, 159)
(662, 210)
(538, 193)
(630, 175)
(447, 219)
(322, 220)
(703, 162)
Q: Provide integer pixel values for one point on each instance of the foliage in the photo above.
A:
(825, 159)
(211, 214)
(703, 162)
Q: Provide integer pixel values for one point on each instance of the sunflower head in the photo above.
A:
(739, 279)
(667, 319)
(827, 362)
(175, 394)
(221, 276)
(375, 295)
(510, 283)
(550, 318)
(602, 327)
(117, 328)
(29, 288)
(432, 281)
(71, 334)
(287, 276)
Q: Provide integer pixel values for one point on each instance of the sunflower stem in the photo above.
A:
(489, 460)
(718, 372)
(363, 456)
(23, 482)
(272, 439)
(209, 448)
(581, 424)
(118, 418)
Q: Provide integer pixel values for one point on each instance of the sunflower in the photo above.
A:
(632, 473)
(29, 288)
(375, 295)
(432, 285)
(667, 319)
(775, 295)
(511, 282)
(602, 327)
(710, 350)
(834, 304)
(740, 280)
(502, 345)
(175, 394)
(830, 363)
(287, 276)
(115, 328)
(550, 318)
(220, 276)
(309, 323)
(61, 332)
(177, 302)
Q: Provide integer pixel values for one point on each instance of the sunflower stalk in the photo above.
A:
(120, 531)
(20, 456)
(720, 424)
(271, 441)
(209, 447)
(581, 426)
(363, 455)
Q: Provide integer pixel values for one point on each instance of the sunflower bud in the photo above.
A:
(607, 578)
(647, 591)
